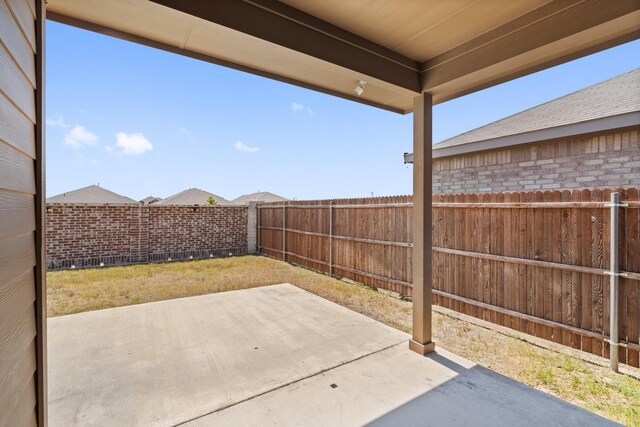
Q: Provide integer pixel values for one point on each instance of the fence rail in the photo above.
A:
(537, 262)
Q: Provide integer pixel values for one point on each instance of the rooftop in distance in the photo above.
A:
(149, 200)
(93, 194)
(611, 104)
(260, 197)
(191, 197)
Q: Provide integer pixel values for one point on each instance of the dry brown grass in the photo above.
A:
(595, 388)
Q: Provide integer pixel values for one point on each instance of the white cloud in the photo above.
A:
(132, 144)
(58, 123)
(80, 137)
(300, 108)
(241, 146)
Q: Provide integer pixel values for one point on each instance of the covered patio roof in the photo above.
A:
(411, 54)
(399, 48)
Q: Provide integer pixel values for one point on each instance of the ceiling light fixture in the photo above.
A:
(360, 88)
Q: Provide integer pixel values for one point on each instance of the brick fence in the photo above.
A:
(95, 235)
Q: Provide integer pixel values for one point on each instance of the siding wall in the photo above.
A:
(605, 160)
(22, 369)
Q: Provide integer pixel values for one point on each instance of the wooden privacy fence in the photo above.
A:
(536, 262)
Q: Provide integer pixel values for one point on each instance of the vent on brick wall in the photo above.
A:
(196, 254)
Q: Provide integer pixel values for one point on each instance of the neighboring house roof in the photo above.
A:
(149, 200)
(193, 196)
(611, 104)
(260, 197)
(91, 195)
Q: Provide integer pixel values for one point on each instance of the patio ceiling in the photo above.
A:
(399, 47)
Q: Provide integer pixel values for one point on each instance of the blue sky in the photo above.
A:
(141, 122)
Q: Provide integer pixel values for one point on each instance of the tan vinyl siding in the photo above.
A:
(19, 191)
(16, 171)
(17, 213)
(15, 85)
(23, 13)
(16, 43)
(16, 129)
(24, 413)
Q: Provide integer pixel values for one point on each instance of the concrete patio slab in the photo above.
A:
(271, 356)
(168, 362)
(397, 387)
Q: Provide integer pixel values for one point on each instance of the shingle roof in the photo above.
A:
(618, 95)
(193, 196)
(150, 199)
(91, 195)
(262, 197)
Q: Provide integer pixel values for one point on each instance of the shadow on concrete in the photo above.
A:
(479, 397)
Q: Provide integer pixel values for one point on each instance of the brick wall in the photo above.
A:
(91, 235)
(606, 160)
(177, 229)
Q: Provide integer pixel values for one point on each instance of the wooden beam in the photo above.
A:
(537, 320)
(286, 26)
(339, 237)
(421, 341)
(556, 20)
(527, 205)
(354, 206)
(535, 263)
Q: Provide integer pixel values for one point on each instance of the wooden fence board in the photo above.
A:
(632, 288)
(538, 273)
(575, 253)
(499, 276)
(530, 284)
(585, 259)
(622, 285)
(531, 261)
(596, 281)
(564, 259)
(606, 226)
(556, 276)
(547, 284)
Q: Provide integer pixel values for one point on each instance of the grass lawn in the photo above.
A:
(595, 388)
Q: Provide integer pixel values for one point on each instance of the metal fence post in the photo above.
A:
(331, 239)
(284, 231)
(614, 275)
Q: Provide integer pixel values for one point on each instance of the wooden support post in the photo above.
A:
(331, 239)
(422, 192)
(258, 230)
(284, 231)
